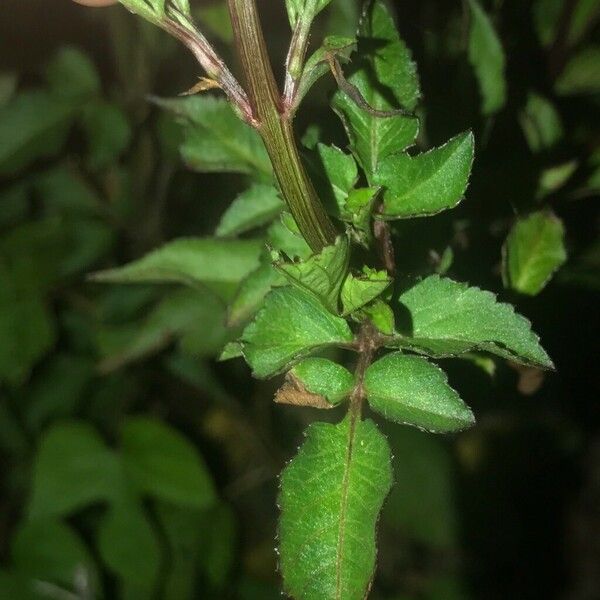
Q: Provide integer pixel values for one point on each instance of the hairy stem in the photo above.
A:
(212, 63)
(369, 340)
(275, 128)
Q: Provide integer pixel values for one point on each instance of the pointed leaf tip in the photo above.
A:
(427, 183)
(450, 318)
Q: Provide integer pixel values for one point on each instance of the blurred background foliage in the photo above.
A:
(135, 466)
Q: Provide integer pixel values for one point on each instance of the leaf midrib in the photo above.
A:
(344, 507)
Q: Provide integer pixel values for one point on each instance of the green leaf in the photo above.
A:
(533, 251)
(422, 506)
(27, 330)
(325, 378)
(217, 264)
(548, 17)
(230, 351)
(155, 11)
(71, 74)
(541, 123)
(362, 289)
(357, 210)
(317, 66)
(73, 468)
(251, 293)
(554, 178)
(217, 550)
(343, 17)
(486, 55)
(33, 125)
(386, 76)
(32, 254)
(47, 550)
(257, 206)
(216, 139)
(322, 274)
(128, 544)
(445, 261)
(196, 317)
(581, 75)
(14, 205)
(412, 391)
(57, 389)
(305, 10)
(107, 132)
(291, 325)
(585, 16)
(381, 315)
(330, 497)
(151, 10)
(428, 183)
(449, 318)
(14, 586)
(181, 528)
(163, 464)
(280, 237)
(198, 541)
(64, 191)
(337, 174)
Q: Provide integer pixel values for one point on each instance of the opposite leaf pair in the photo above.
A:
(403, 388)
(446, 319)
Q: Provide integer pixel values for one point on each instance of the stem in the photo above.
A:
(212, 63)
(275, 128)
(294, 63)
(369, 340)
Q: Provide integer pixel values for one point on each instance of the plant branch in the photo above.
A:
(275, 127)
(212, 63)
(294, 64)
(368, 341)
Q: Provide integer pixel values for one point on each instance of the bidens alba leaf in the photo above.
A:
(305, 10)
(256, 206)
(427, 183)
(412, 391)
(386, 77)
(322, 274)
(449, 318)
(291, 325)
(218, 264)
(487, 57)
(163, 464)
(216, 140)
(324, 377)
(330, 498)
(361, 289)
(534, 249)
